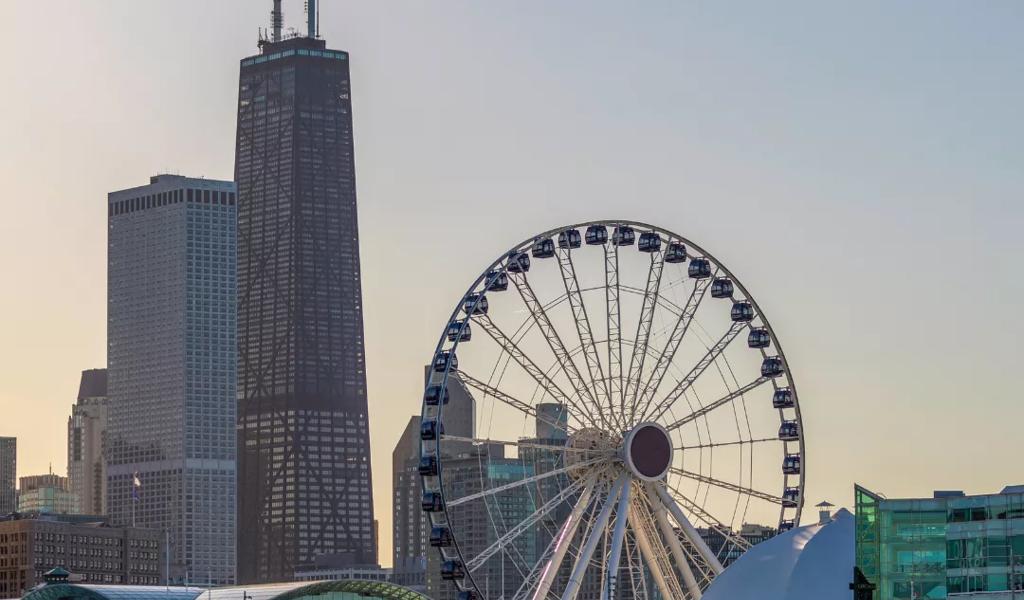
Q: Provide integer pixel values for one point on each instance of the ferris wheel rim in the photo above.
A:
(500, 265)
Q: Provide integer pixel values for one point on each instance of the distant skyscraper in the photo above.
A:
(87, 427)
(48, 494)
(8, 475)
(171, 361)
(410, 547)
(305, 494)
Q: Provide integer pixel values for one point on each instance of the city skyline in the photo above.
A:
(876, 236)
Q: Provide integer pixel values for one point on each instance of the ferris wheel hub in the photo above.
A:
(647, 451)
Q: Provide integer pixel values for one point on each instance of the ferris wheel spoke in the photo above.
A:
(734, 443)
(713, 353)
(663, 578)
(613, 314)
(661, 493)
(672, 538)
(726, 485)
(521, 482)
(679, 330)
(643, 332)
(522, 527)
(583, 328)
(519, 444)
(565, 362)
(608, 589)
(707, 518)
(700, 412)
(530, 367)
(587, 551)
(564, 541)
(515, 403)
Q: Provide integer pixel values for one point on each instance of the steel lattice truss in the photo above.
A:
(622, 435)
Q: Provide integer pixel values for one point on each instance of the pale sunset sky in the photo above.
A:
(860, 166)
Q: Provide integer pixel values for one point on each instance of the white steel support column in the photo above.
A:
(565, 535)
(688, 529)
(648, 552)
(661, 515)
(621, 518)
(583, 560)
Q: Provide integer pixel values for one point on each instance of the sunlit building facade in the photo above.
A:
(171, 368)
(950, 545)
(87, 426)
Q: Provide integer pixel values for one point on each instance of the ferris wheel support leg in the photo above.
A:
(691, 533)
(583, 560)
(565, 535)
(648, 553)
(621, 517)
(670, 535)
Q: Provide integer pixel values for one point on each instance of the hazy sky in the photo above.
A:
(858, 166)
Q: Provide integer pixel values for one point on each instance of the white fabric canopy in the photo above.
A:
(814, 562)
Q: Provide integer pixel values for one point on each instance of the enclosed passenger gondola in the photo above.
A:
(432, 502)
(649, 242)
(721, 288)
(786, 524)
(791, 497)
(430, 430)
(742, 312)
(440, 536)
(783, 398)
(468, 595)
(759, 338)
(772, 367)
(597, 235)
(569, 239)
(459, 331)
(791, 464)
(427, 466)
(452, 570)
(496, 281)
(475, 304)
(435, 395)
(543, 248)
(443, 358)
(676, 253)
(623, 236)
(789, 431)
(700, 268)
(518, 262)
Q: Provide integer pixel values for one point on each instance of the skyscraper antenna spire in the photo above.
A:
(311, 19)
(277, 21)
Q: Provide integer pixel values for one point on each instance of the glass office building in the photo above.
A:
(171, 368)
(950, 545)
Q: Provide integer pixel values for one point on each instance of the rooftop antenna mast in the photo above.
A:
(277, 21)
(312, 15)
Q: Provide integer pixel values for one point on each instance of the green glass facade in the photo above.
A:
(947, 546)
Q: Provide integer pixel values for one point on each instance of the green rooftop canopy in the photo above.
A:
(269, 591)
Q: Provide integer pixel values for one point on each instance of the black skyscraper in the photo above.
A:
(304, 488)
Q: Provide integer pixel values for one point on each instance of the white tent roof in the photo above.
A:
(814, 562)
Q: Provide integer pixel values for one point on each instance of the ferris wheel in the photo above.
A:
(606, 410)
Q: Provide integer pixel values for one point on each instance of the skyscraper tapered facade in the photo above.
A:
(303, 446)
(171, 366)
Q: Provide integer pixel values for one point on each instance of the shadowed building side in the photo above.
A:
(305, 487)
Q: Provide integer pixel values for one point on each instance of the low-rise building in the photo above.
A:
(46, 494)
(950, 545)
(91, 550)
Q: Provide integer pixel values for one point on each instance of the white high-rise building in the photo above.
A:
(171, 366)
(87, 426)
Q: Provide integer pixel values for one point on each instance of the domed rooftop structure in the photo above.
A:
(814, 562)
